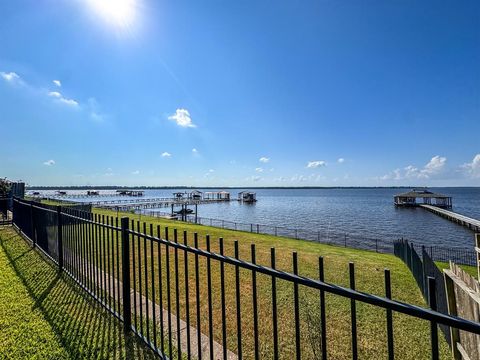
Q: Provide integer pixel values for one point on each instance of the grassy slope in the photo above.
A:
(411, 335)
(46, 316)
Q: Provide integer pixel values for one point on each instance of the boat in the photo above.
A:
(184, 211)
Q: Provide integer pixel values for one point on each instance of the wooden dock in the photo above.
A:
(471, 223)
(123, 205)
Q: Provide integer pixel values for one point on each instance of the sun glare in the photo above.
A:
(120, 13)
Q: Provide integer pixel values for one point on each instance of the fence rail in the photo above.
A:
(175, 295)
(459, 255)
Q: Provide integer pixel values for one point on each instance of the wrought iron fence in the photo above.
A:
(185, 299)
(424, 268)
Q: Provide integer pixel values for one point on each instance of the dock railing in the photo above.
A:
(174, 295)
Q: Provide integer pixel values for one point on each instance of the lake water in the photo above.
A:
(359, 213)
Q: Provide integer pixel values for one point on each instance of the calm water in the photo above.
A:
(362, 213)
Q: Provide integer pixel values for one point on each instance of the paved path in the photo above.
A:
(114, 284)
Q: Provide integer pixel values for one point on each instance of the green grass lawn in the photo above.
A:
(46, 316)
(411, 335)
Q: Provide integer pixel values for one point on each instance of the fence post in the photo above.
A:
(424, 272)
(59, 238)
(127, 312)
(32, 226)
(477, 244)
(432, 302)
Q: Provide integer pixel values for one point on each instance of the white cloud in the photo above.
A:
(69, 102)
(341, 160)
(264, 159)
(57, 83)
(316, 164)
(433, 167)
(182, 118)
(55, 94)
(209, 173)
(394, 175)
(136, 172)
(49, 162)
(411, 171)
(195, 151)
(473, 168)
(259, 169)
(10, 77)
(60, 98)
(166, 154)
(297, 177)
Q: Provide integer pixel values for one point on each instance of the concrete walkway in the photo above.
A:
(141, 303)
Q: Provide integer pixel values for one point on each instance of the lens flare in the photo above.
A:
(120, 13)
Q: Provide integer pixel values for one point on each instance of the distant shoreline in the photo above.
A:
(116, 187)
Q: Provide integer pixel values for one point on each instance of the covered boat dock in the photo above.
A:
(417, 197)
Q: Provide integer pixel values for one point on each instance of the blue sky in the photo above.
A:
(244, 93)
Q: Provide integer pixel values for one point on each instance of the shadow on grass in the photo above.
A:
(82, 326)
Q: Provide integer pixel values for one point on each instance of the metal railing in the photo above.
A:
(424, 268)
(155, 283)
(437, 253)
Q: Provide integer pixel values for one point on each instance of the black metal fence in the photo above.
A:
(424, 268)
(183, 299)
(4, 219)
(459, 255)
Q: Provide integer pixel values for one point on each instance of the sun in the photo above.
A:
(119, 13)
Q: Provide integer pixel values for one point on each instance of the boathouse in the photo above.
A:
(417, 197)
(247, 196)
(195, 195)
(216, 195)
(130, 192)
(179, 195)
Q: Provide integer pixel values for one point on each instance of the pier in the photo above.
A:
(151, 204)
(183, 199)
(471, 223)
